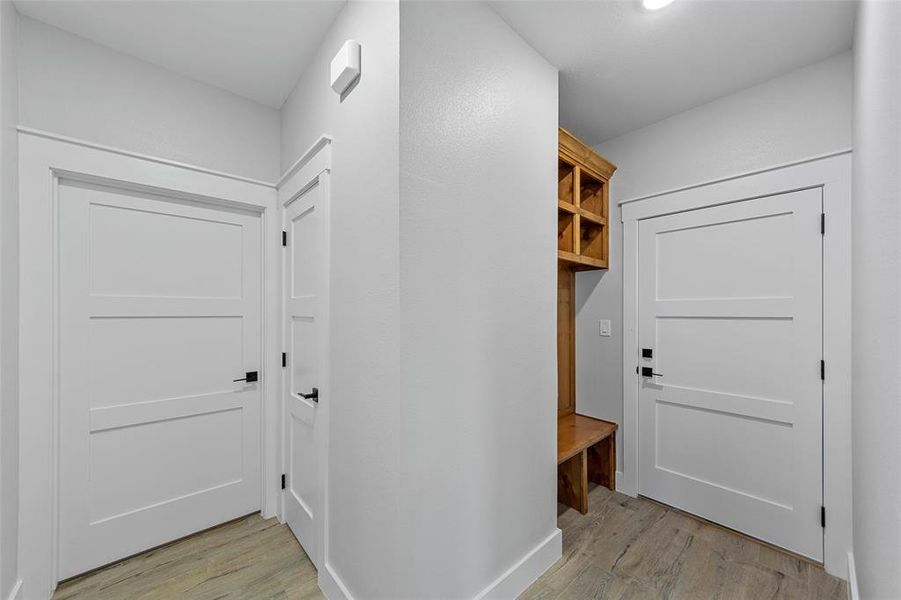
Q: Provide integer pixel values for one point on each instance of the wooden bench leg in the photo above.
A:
(602, 462)
(572, 482)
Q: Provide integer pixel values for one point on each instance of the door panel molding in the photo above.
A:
(832, 175)
(44, 161)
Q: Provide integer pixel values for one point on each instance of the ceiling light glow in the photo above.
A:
(655, 4)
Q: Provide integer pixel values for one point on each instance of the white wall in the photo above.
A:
(876, 223)
(364, 411)
(478, 271)
(799, 115)
(9, 301)
(443, 378)
(75, 87)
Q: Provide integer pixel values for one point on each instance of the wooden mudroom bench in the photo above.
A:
(586, 451)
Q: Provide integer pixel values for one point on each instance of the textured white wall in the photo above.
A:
(443, 377)
(9, 301)
(478, 150)
(364, 416)
(799, 115)
(876, 223)
(75, 87)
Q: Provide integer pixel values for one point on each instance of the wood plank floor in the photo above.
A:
(247, 558)
(634, 548)
(623, 548)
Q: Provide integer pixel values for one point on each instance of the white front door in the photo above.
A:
(306, 222)
(159, 313)
(730, 309)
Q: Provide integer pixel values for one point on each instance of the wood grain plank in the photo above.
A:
(247, 558)
(636, 548)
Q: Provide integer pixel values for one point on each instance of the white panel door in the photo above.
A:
(730, 307)
(306, 272)
(159, 314)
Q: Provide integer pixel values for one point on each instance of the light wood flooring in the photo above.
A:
(250, 558)
(634, 548)
(623, 548)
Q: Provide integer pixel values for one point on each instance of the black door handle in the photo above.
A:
(249, 377)
(314, 395)
(649, 372)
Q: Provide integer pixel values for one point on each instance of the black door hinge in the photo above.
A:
(823, 516)
(823, 370)
(284, 359)
(284, 238)
(283, 481)
(822, 223)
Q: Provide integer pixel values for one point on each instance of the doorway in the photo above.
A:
(160, 352)
(721, 281)
(143, 358)
(730, 400)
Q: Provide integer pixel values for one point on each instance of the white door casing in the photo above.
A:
(50, 166)
(830, 173)
(159, 313)
(305, 280)
(730, 306)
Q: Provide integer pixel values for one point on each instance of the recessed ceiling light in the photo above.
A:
(655, 4)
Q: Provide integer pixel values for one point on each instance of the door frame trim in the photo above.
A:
(43, 159)
(313, 168)
(832, 174)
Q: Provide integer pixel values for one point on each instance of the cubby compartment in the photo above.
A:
(592, 194)
(566, 231)
(565, 179)
(593, 243)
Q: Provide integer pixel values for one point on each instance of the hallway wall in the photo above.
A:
(9, 302)
(78, 88)
(478, 146)
(876, 323)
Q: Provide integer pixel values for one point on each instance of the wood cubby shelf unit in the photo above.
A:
(586, 447)
(583, 178)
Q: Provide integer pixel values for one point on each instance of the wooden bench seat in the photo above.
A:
(586, 451)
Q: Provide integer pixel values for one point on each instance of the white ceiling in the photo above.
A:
(254, 48)
(622, 69)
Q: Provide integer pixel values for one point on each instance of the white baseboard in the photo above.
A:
(853, 591)
(529, 568)
(623, 487)
(509, 585)
(16, 592)
(331, 585)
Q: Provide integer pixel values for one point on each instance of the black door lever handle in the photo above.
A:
(249, 377)
(649, 372)
(313, 395)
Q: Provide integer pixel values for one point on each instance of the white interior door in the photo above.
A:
(306, 280)
(159, 313)
(730, 307)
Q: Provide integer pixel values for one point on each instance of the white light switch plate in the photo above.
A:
(605, 328)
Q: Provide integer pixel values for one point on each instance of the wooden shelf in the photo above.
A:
(567, 207)
(580, 263)
(582, 205)
(594, 218)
